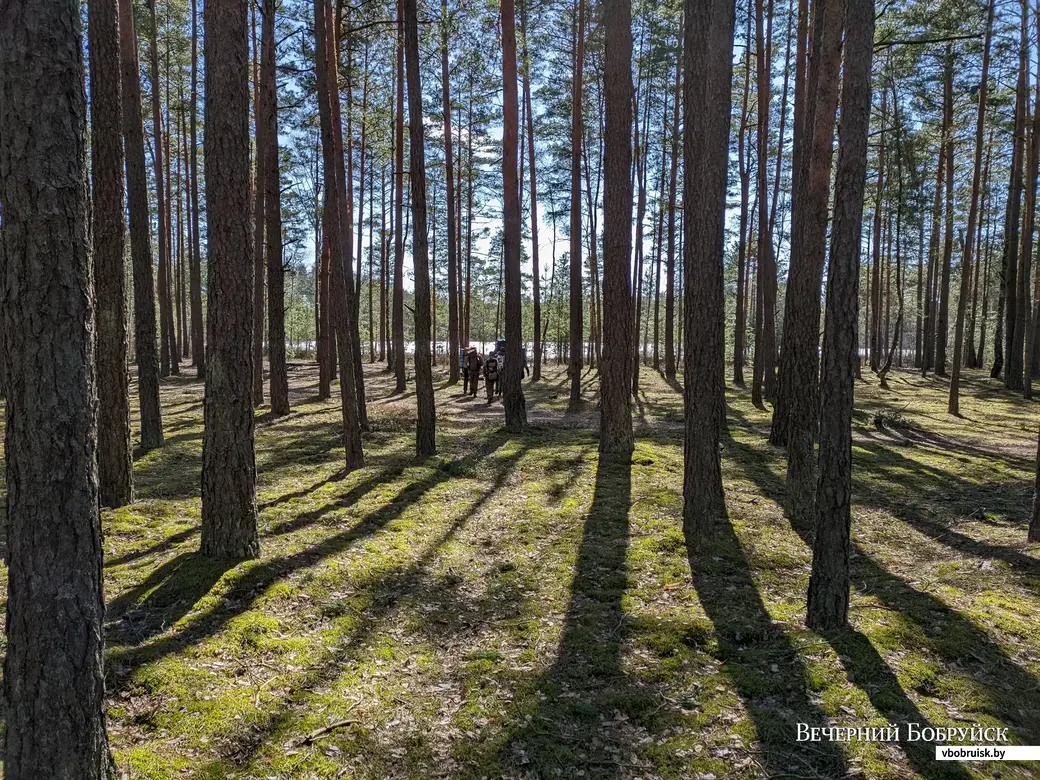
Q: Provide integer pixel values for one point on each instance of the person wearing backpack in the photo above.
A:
(471, 365)
(493, 375)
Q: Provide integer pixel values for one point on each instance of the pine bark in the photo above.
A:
(828, 598)
(536, 280)
(145, 347)
(928, 360)
(577, 134)
(198, 350)
(1033, 535)
(168, 358)
(229, 509)
(273, 219)
(708, 65)
(397, 306)
(512, 391)
(53, 681)
(765, 347)
(942, 324)
(953, 406)
(115, 469)
(426, 427)
(1026, 281)
(337, 228)
(453, 227)
(669, 273)
(796, 416)
(744, 173)
(1015, 284)
(259, 188)
(615, 429)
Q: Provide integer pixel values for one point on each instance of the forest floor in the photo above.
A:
(514, 608)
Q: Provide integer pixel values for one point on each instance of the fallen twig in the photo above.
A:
(309, 738)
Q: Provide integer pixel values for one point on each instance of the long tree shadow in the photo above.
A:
(286, 526)
(874, 677)
(382, 596)
(311, 443)
(348, 499)
(751, 646)
(163, 545)
(1010, 693)
(914, 483)
(577, 698)
(920, 481)
(164, 597)
(251, 585)
(303, 492)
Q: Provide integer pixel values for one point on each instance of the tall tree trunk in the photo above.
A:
(398, 301)
(184, 234)
(145, 347)
(337, 228)
(615, 428)
(198, 350)
(744, 172)
(426, 430)
(971, 353)
(876, 345)
(1008, 290)
(54, 684)
(345, 200)
(781, 132)
(273, 218)
(384, 236)
(659, 234)
(178, 254)
(115, 470)
(943, 320)
(259, 188)
(228, 461)
(669, 295)
(1025, 273)
(324, 337)
(796, 415)
(1014, 334)
(640, 172)
(708, 65)
(933, 264)
(1034, 520)
(536, 372)
(165, 309)
(371, 261)
(512, 391)
(577, 135)
(449, 195)
(765, 347)
(828, 598)
(980, 360)
(352, 390)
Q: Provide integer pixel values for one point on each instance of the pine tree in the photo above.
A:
(228, 461)
(54, 684)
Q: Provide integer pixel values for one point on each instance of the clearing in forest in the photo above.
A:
(513, 607)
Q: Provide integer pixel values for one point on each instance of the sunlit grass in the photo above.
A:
(512, 607)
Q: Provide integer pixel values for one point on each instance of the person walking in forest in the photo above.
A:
(493, 375)
(472, 364)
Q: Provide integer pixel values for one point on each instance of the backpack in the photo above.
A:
(491, 369)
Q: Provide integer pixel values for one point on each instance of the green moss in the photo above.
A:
(512, 606)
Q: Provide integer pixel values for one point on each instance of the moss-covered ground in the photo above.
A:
(514, 607)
